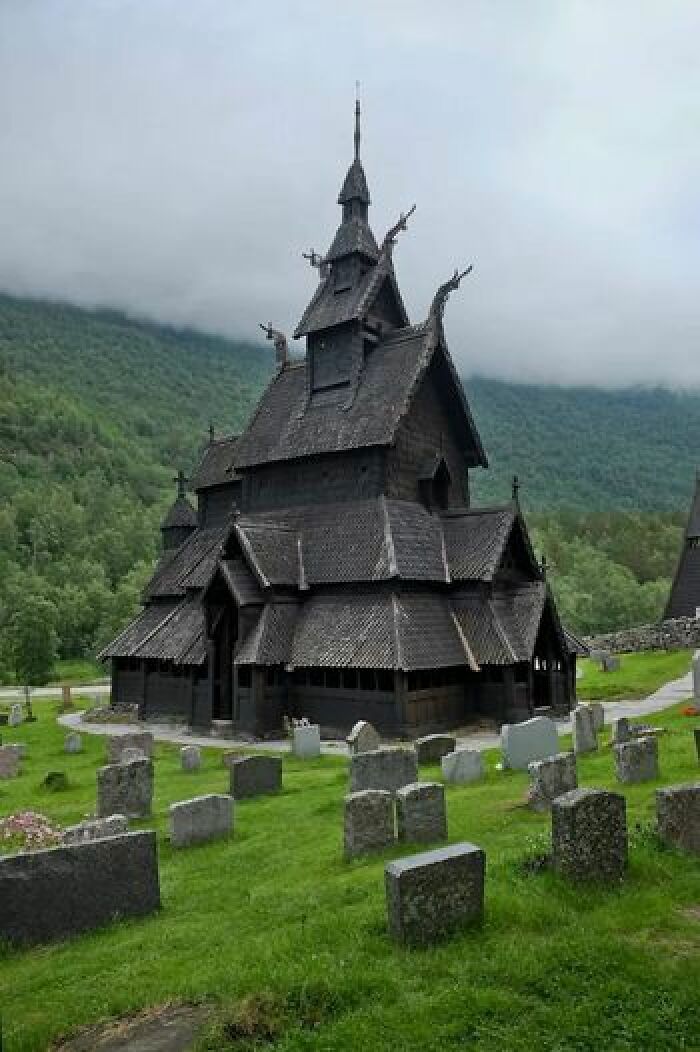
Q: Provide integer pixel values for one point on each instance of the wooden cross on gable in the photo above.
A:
(181, 481)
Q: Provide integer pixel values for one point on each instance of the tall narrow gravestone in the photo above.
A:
(678, 816)
(125, 789)
(696, 676)
(583, 728)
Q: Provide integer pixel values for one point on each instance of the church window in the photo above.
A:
(244, 676)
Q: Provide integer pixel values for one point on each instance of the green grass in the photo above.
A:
(638, 676)
(276, 916)
(73, 672)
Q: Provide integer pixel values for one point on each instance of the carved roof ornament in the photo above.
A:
(437, 307)
(280, 341)
(390, 236)
(181, 481)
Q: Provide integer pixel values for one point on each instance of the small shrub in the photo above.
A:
(27, 831)
(56, 782)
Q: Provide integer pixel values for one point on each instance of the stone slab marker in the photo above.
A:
(200, 819)
(462, 766)
(388, 768)
(117, 743)
(678, 816)
(435, 893)
(15, 717)
(368, 822)
(132, 753)
(583, 728)
(125, 789)
(597, 715)
(696, 675)
(96, 829)
(551, 778)
(46, 895)
(421, 816)
(306, 741)
(637, 760)
(697, 742)
(534, 739)
(589, 834)
(66, 697)
(190, 758)
(9, 762)
(73, 743)
(621, 731)
(363, 738)
(255, 775)
(432, 747)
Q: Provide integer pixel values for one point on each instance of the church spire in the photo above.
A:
(357, 123)
(354, 235)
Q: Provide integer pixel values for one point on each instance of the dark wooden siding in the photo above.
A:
(314, 480)
(215, 504)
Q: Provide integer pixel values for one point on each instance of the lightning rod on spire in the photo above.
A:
(357, 120)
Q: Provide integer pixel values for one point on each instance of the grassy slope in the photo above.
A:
(638, 676)
(276, 909)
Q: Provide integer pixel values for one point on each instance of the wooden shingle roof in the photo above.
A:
(216, 468)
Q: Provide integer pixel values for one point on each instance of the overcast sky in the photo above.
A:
(174, 157)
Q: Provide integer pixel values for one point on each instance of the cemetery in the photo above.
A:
(321, 893)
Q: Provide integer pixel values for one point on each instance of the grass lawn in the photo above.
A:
(275, 916)
(73, 672)
(638, 675)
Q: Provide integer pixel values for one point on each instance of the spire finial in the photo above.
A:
(516, 488)
(181, 483)
(543, 567)
(211, 431)
(357, 120)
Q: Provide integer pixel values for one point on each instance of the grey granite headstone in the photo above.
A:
(73, 743)
(678, 816)
(611, 663)
(597, 715)
(368, 822)
(125, 789)
(696, 676)
(15, 717)
(386, 768)
(696, 734)
(200, 819)
(583, 730)
(117, 743)
(421, 816)
(523, 743)
(551, 778)
(621, 731)
(589, 834)
(63, 891)
(637, 760)
(432, 747)
(462, 766)
(363, 738)
(306, 741)
(435, 893)
(598, 656)
(96, 829)
(190, 757)
(9, 762)
(132, 753)
(255, 775)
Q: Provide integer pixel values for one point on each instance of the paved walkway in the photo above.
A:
(670, 694)
(90, 690)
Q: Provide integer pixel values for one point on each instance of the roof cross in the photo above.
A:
(181, 480)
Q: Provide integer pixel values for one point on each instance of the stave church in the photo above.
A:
(334, 566)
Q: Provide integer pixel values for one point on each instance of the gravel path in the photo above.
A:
(670, 694)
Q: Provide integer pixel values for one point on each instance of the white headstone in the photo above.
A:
(190, 757)
(15, 717)
(306, 741)
(522, 743)
(462, 766)
(73, 743)
(585, 738)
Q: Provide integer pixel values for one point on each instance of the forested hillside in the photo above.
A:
(98, 411)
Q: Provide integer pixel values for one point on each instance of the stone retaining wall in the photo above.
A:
(682, 633)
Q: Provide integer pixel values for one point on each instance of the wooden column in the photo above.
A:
(400, 701)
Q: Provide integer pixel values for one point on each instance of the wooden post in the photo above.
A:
(400, 701)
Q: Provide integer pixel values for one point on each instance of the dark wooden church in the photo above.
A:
(334, 567)
(684, 600)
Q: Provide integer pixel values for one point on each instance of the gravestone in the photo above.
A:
(15, 717)
(9, 762)
(19, 747)
(190, 758)
(621, 730)
(125, 789)
(363, 738)
(551, 778)
(66, 699)
(432, 747)
(63, 891)
(584, 735)
(462, 766)
(435, 893)
(421, 817)
(678, 816)
(696, 734)
(368, 822)
(589, 834)
(96, 829)
(255, 775)
(306, 741)
(117, 743)
(599, 656)
(130, 754)
(389, 768)
(523, 743)
(73, 743)
(637, 760)
(610, 664)
(200, 819)
(696, 676)
(597, 715)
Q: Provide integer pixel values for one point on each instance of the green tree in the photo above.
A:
(33, 640)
